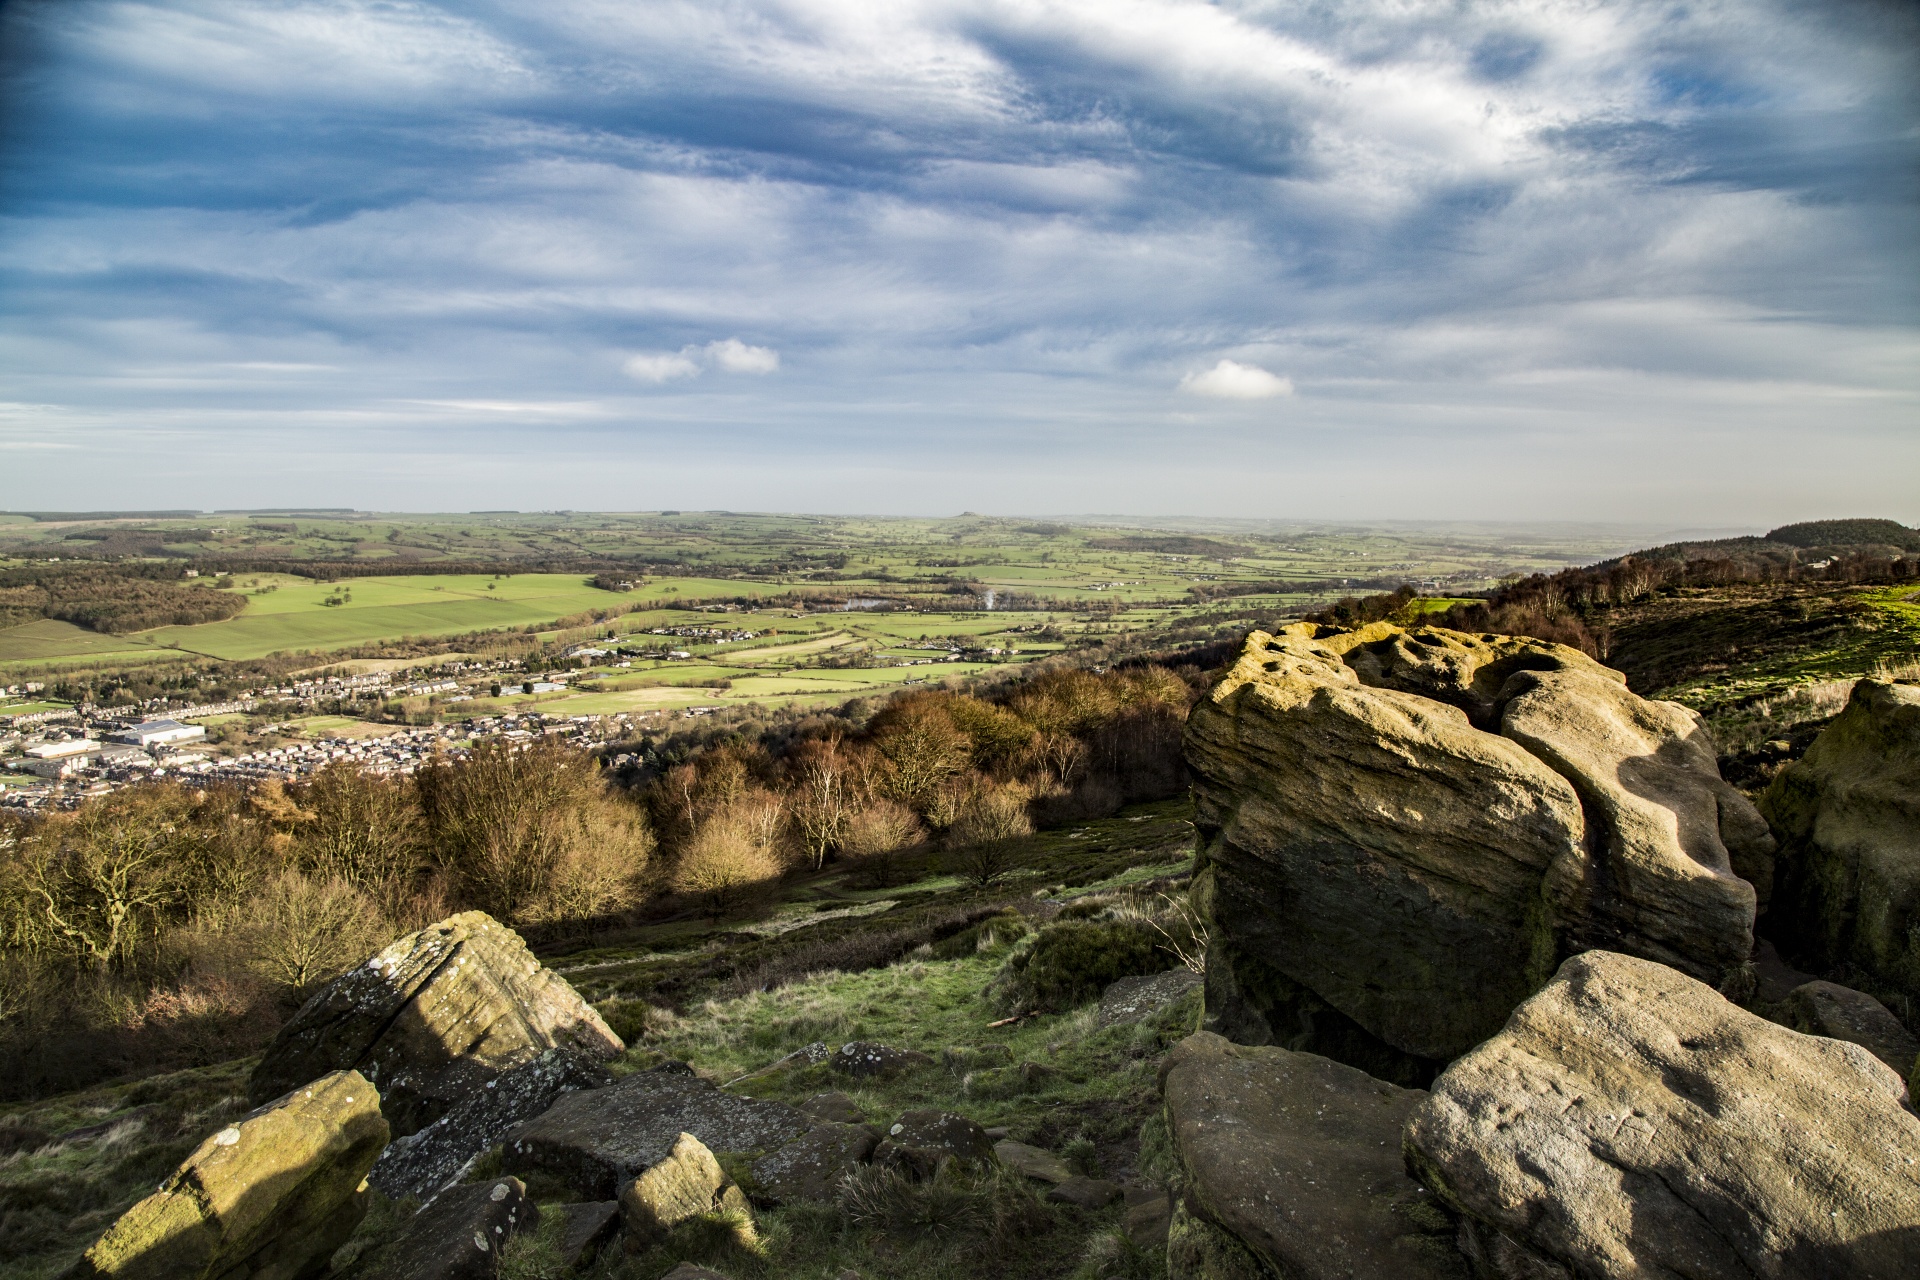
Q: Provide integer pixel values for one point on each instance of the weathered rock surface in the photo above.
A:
(1085, 1192)
(865, 1060)
(835, 1106)
(1402, 832)
(1138, 998)
(1829, 1009)
(922, 1140)
(686, 1184)
(1848, 815)
(422, 1163)
(458, 1236)
(432, 1018)
(1032, 1162)
(270, 1197)
(812, 1165)
(1665, 834)
(1631, 1122)
(596, 1141)
(1298, 1158)
(1149, 1215)
(585, 1229)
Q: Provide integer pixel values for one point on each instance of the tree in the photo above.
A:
(363, 830)
(820, 798)
(922, 747)
(99, 883)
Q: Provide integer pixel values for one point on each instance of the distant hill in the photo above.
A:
(1847, 533)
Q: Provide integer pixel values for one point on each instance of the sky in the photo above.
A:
(1357, 259)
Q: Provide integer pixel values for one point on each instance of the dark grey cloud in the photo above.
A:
(1512, 256)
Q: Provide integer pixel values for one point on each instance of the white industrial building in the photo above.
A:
(60, 750)
(149, 733)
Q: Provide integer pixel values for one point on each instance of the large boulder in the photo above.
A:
(1629, 1121)
(599, 1140)
(269, 1198)
(1848, 816)
(1297, 1158)
(433, 1018)
(688, 1183)
(1829, 1009)
(1403, 832)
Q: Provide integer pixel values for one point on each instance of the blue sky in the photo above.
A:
(1534, 259)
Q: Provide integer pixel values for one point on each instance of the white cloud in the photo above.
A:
(661, 366)
(1231, 380)
(734, 356)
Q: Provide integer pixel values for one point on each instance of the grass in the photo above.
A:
(676, 989)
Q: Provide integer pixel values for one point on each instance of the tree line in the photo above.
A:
(174, 923)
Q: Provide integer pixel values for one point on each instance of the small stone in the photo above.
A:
(1139, 998)
(865, 1060)
(836, 1106)
(688, 1271)
(1088, 1193)
(1149, 1219)
(1032, 1162)
(585, 1228)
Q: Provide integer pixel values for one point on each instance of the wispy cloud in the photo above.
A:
(947, 228)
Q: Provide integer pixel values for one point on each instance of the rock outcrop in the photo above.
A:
(924, 1139)
(458, 1236)
(1403, 832)
(812, 1165)
(598, 1141)
(1848, 816)
(1629, 1121)
(1297, 1158)
(1829, 1009)
(432, 1019)
(270, 1197)
(1139, 998)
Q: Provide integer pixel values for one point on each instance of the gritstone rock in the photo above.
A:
(1630, 1122)
(434, 1017)
(1402, 832)
(1085, 1192)
(811, 1166)
(924, 1139)
(1298, 1158)
(596, 1141)
(421, 1164)
(271, 1197)
(1149, 1215)
(1032, 1162)
(1138, 998)
(458, 1236)
(1848, 814)
(686, 1184)
(585, 1227)
(1828, 1009)
(864, 1060)
(835, 1106)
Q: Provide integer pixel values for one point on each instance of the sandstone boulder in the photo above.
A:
(1403, 832)
(420, 1164)
(1032, 1162)
(1297, 1158)
(458, 1236)
(1630, 1122)
(1139, 998)
(1829, 1009)
(597, 1141)
(270, 1197)
(1084, 1192)
(1848, 816)
(686, 1184)
(835, 1106)
(432, 1019)
(812, 1165)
